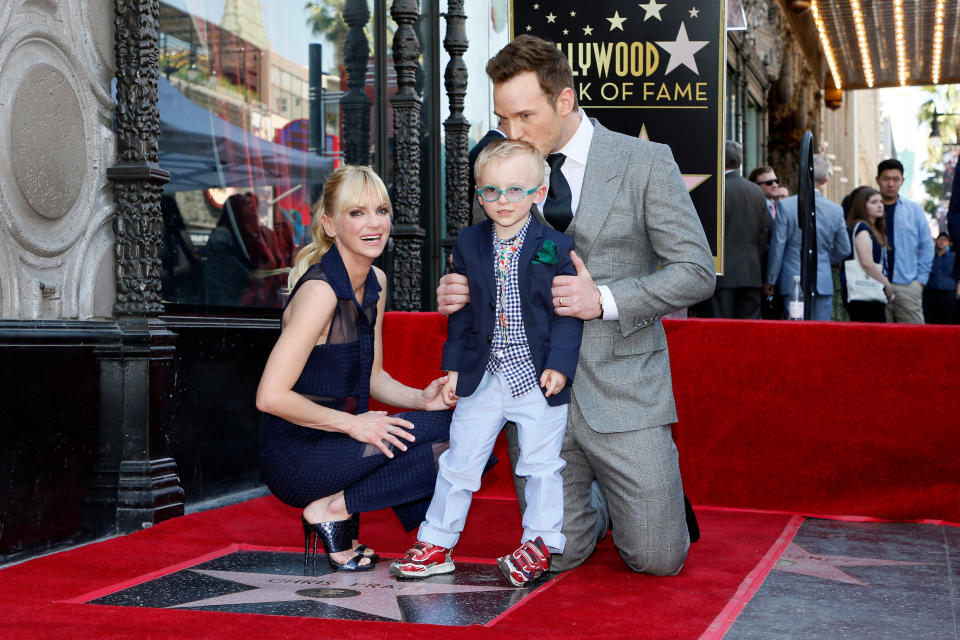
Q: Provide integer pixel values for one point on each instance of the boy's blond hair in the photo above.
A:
(506, 149)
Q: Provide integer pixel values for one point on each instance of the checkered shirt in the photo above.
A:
(509, 352)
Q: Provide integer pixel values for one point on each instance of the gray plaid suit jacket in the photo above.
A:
(635, 214)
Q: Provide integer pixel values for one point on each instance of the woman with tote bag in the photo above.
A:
(868, 287)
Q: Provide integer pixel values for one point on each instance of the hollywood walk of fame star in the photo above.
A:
(588, 30)
(616, 22)
(796, 559)
(551, 17)
(681, 51)
(652, 9)
(694, 13)
(372, 592)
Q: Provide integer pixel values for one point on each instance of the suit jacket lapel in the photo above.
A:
(486, 260)
(601, 183)
(530, 244)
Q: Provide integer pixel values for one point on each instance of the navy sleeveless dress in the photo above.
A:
(301, 464)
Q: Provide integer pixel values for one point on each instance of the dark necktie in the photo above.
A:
(557, 208)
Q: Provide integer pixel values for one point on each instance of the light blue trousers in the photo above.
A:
(477, 420)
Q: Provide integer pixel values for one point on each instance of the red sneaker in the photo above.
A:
(526, 563)
(422, 560)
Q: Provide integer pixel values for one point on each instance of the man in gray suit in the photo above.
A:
(744, 242)
(833, 245)
(625, 204)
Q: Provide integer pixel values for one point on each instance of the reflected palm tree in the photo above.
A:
(326, 18)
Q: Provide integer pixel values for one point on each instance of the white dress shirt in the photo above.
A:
(576, 151)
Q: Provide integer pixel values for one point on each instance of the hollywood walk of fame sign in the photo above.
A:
(653, 70)
(274, 583)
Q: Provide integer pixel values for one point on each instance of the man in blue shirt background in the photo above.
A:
(908, 233)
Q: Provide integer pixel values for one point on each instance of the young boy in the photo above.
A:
(509, 357)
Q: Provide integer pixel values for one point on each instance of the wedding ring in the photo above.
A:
(391, 429)
(561, 301)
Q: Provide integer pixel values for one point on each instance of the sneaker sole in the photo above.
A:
(437, 569)
(506, 570)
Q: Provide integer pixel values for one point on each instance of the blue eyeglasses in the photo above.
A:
(491, 193)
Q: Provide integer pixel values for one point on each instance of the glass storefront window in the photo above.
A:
(249, 140)
(246, 159)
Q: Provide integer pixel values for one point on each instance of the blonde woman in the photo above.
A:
(323, 450)
(868, 235)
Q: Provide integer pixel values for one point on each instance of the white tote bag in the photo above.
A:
(860, 286)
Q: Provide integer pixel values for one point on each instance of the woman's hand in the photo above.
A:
(449, 391)
(380, 430)
(432, 398)
(888, 290)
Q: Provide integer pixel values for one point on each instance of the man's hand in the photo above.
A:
(452, 293)
(552, 382)
(577, 295)
(958, 291)
(768, 289)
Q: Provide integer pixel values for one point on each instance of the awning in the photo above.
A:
(884, 43)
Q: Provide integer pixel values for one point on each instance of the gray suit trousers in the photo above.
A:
(646, 508)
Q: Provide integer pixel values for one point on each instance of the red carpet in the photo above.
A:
(600, 599)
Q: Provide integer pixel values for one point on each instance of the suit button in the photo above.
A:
(493, 306)
(489, 339)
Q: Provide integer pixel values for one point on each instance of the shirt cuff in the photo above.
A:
(610, 311)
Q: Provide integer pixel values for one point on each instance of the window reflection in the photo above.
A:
(249, 99)
(244, 149)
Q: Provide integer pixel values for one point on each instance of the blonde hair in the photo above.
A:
(506, 149)
(344, 189)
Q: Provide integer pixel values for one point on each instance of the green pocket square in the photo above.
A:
(547, 253)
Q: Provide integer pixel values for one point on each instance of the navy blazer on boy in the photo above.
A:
(554, 340)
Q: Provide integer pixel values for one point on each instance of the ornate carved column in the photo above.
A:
(456, 127)
(355, 103)
(138, 180)
(135, 374)
(407, 233)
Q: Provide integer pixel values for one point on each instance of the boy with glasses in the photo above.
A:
(503, 345)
